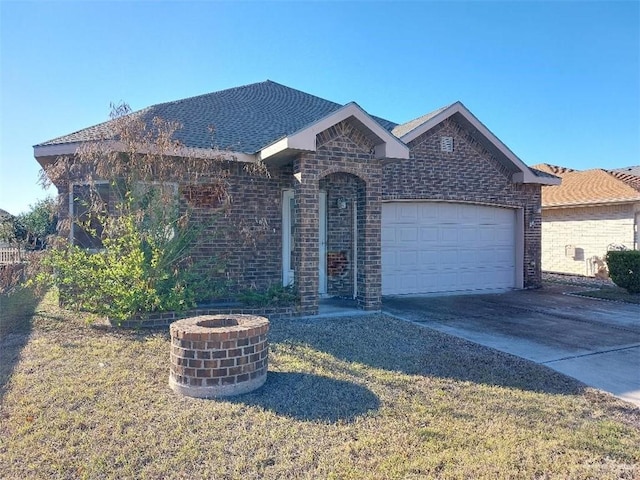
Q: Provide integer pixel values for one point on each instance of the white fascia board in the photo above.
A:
(305, 139)
(592, 204)
(275, 148)
(191, 152)
(519, 177)
(55, 150)
(525, 175)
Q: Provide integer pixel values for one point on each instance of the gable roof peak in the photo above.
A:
(407, 127)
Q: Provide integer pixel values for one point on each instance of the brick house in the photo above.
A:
(591, 212)
(357, 206)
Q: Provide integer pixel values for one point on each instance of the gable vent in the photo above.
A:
(446, 144)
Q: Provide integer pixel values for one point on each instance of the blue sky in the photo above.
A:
(558, 82)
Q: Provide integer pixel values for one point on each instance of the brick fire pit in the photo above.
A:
(218, 355)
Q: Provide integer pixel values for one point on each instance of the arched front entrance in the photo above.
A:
(341, 235)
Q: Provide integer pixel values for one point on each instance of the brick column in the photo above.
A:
(306, 193)
(370, 280)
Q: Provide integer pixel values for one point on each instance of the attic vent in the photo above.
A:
(446, 144)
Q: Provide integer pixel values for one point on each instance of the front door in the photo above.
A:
(322, 243)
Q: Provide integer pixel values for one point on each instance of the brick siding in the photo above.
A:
(245, 236)
(343, 165)
(341, 149)
(468, 174)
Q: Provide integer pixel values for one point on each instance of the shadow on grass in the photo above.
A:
(311, 397)
(386, 343)
(16, 315)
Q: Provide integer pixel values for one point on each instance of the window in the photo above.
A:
(86, 229)
(159, 204)
(155, 205)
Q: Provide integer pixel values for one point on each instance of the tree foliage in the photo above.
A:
(33, 229)
(146, 233)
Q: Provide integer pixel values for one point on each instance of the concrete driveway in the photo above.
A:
(594, 341)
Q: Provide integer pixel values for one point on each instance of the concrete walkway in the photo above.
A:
(596, 342)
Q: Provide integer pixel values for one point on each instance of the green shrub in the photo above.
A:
(275, 296)
(132, 275)
(624, 269)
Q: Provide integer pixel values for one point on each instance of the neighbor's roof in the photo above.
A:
(633, 170)
(588, 187)
(242, 119)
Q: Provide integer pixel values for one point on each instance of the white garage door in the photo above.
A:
(446, 247)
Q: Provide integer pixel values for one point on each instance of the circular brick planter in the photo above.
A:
(218, 355)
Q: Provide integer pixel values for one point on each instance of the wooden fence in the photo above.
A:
(9, 255)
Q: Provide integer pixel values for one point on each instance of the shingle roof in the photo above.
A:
(244, 119)
(633, 170)
(587, 187)
(401, 130)
(542, 173)
(552, 169)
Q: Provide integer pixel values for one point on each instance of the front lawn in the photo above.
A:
(361, 397)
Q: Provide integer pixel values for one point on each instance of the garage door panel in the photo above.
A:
(503, 235)
(446, 258)
(407, 258)
(428, 259)
(388, 234)
(428, 234)
(446, 247)
(448, 234)
(468, 256)
(389, 258)
(447, 213)
(468, 234)
(407, 213)
(428, 215)
(408, 234)
(486, 235)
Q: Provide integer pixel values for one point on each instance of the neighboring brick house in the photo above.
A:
(356, 206)
(591, 212)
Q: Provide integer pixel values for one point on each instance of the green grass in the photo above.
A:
(612, 293)
(350, 398)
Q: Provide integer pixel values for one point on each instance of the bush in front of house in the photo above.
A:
(624, 269)
(131, 237)
(275, 296)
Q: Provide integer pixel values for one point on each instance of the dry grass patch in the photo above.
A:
(363, 397)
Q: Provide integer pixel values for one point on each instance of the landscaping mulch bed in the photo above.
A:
(603, 289)
(366, 397)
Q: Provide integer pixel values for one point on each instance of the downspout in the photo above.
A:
(636, 230)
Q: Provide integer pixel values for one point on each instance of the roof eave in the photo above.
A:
(595, 203)
(67, 149)
(387, 146)
(530, 177)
